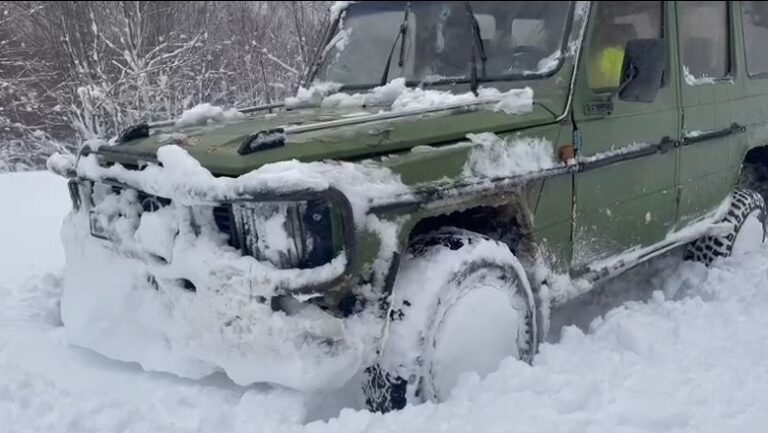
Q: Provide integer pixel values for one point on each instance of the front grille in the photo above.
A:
(222, 214)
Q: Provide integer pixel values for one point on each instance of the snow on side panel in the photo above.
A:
(494, 156)
(623, 150)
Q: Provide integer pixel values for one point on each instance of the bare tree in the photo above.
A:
(75, 69)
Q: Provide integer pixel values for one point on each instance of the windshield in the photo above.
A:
(441, 42)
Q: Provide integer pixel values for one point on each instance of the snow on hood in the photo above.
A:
(400, 97)
(182, 178)
(313, 95)
(201, 114)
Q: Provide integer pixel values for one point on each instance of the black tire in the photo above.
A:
(404, 372)
(744, 203)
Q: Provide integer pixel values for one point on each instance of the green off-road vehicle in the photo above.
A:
(449, 172)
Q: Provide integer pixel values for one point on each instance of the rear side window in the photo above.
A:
(755, 18)
(704, 38)
(616, 23)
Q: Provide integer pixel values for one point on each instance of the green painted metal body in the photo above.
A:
(577, 217)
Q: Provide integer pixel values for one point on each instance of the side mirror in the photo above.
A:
(643, 69)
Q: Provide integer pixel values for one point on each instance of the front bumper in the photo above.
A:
(202, 306)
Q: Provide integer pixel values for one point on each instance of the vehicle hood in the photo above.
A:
(216, 145)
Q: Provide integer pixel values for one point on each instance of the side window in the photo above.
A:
(755, 18)
(616, 23)
(704, 38)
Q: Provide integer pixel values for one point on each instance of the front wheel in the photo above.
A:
(462, 303)
(746, 219)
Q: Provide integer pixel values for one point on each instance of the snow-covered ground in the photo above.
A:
(670, 347)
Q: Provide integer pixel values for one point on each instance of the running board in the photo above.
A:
(600, 271)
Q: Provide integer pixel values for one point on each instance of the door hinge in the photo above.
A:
(576, 141)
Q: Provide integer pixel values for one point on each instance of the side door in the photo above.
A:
(708, 87)
(622, 203)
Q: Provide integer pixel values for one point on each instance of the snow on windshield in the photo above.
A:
(437, 39)
(399, 97)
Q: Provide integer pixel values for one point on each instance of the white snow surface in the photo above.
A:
(689, 358)
(204, 113)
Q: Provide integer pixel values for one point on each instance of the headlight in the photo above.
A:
(303, 234)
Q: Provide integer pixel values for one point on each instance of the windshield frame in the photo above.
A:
(333, 28)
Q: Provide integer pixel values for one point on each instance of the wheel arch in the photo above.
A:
(753, 170)
(507, 219)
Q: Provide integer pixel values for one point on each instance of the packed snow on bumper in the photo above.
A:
(168, 292)
(690, 358)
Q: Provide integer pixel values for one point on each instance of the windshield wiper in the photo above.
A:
(400, 37)
(477, 42)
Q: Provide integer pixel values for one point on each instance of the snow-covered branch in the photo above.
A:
(81, 70)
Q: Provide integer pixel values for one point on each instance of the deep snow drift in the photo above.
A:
(689, 358)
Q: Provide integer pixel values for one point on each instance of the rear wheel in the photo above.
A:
(746, 218)
(462, 303)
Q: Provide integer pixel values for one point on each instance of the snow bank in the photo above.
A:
(494, 156)
(420, 283)
(34, 205)
(400, 97)
(129, 298)
(202, 114)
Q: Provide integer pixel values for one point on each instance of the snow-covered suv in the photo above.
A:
(450, 172)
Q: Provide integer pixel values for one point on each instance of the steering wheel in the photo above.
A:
(526, 58)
